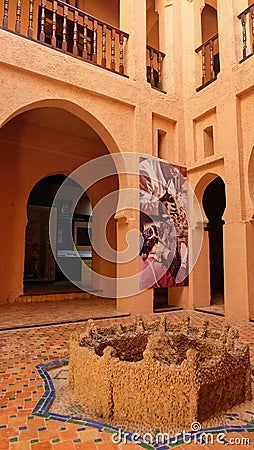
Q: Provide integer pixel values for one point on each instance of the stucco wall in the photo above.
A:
(127, 113)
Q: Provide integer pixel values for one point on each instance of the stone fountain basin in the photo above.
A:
(159, 375)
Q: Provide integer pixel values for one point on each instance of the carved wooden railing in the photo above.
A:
(68, 29)
(247, 21)
(154, 67)
(210, 60)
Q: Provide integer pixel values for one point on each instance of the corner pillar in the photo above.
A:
(199, 278)
(133, 22)
(236, 289)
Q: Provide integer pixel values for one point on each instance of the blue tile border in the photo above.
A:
(42, 408)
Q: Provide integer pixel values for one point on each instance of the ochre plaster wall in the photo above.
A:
(126, 114)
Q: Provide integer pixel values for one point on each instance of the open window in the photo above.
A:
(154, 56)
(209, 49)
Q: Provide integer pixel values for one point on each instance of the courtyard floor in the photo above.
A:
(23, 384)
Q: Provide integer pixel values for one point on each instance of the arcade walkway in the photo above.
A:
(18, 315)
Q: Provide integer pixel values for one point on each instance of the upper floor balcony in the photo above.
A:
(247, 21)
(210, 60)
(90, 31)
(68, 28)
(84, 29)
(208, 51)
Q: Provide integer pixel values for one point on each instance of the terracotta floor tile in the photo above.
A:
(23, 412)
(25, 445)
(48, 435)
(90, 445)
(106, 446)
(128, 446)
(107, 437)
(56, 311)
(16, 422)
(42, 446)
(66, 445)
(193, 446)
(3, 419)
(89, 435)
(27, 435)
(37, 423)
(7, 433)
(68, 435)
(4, 444)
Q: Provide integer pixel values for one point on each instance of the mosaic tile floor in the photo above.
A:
(25, 387)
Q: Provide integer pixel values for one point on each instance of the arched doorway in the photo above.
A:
(41, 268)
(152, 24)
(214, 204)
(152, 42)
(209, 30)
(34, 144)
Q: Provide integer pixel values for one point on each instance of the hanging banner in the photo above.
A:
(163, 224)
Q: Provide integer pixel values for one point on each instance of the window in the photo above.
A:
(208, 141)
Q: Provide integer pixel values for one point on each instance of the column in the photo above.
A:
(129, 297)
(133, 21)
(236, 271)
(199, 279)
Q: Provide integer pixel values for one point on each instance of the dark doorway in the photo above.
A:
(214, 203)
(40, 264)
(160, 298)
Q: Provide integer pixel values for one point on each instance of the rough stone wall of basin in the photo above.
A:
(176, 375)
(89, 377)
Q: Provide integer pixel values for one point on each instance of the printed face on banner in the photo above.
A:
(163, 224)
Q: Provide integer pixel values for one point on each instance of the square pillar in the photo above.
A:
(236, 292)
(199, 278)
(133, 21)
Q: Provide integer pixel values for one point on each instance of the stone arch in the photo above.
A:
(214, 204)
(38, 179)
(201, 186)
(210, 286)
(152, 24)
(212, 3)
(28, 158)
(209, 21)
(75, 110)
(40, 264)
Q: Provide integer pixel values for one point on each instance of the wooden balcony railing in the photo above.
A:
(154, 67)
(210, 60)
(247, 21)
(67, 29)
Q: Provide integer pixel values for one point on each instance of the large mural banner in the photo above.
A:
(163, 224)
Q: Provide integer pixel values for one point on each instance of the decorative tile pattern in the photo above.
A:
(27, 391)
(196, 437)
